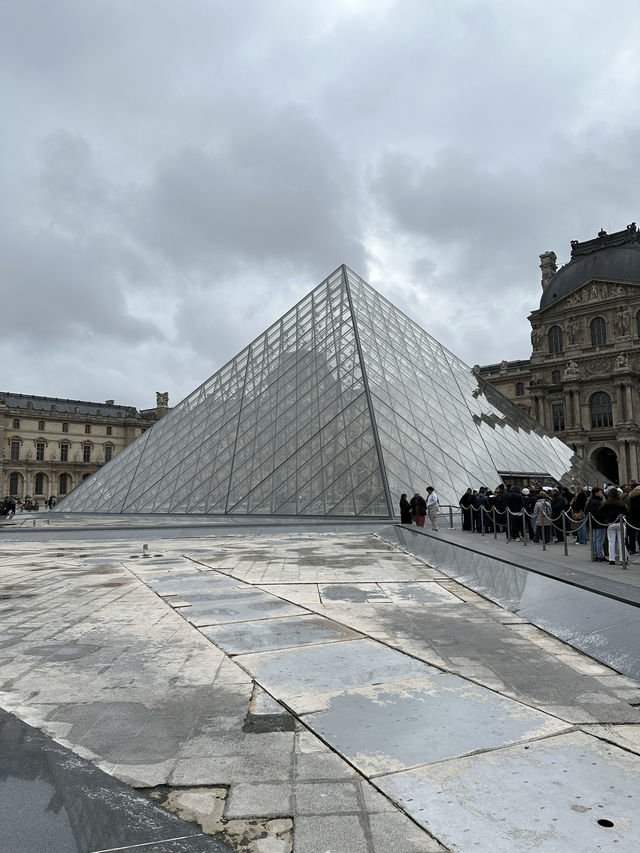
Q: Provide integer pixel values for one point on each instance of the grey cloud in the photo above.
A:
(272, 187)
(61, 290)
(178, 175)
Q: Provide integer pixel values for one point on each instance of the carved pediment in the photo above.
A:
(590, 294)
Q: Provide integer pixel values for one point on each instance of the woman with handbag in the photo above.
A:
(577, 508)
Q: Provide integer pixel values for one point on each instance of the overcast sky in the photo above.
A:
(176, 175)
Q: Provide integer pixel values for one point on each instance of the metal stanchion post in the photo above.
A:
(450, 518)
(543, 532)
(483, 519)
(506, 527)
(590, 529)
(495, 528)
(524, 526)
(623, 547)
(564, 533)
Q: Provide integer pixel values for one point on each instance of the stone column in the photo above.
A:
(633, 459)
(568, 409)
(629, 395)
(578, 405)
(623, 461)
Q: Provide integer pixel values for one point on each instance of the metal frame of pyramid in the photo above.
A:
(335, 410)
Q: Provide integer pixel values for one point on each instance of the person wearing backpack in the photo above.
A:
(598, 530)
(542, 513)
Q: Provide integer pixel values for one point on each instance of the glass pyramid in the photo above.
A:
(339, 407)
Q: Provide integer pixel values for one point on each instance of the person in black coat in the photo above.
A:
(514, 505)
(405, 510)
(465, 502)
(558, 506)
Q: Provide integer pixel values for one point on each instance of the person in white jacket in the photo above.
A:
(432, 507)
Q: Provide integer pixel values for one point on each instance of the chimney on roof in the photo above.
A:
(108, 402)
(548, 266)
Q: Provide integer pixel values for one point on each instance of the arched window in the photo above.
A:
(14, 484)
(638, 324)
(598, 331)
(601, 412)
(519, 389)
(555, 377)
(555, 339)
(86, 476)
(64, 484)
(39, 484)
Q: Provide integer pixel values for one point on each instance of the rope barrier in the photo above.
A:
(483, 520)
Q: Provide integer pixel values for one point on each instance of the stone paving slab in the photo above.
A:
(323, 668)
(388, 727)
(570, 792)
(212, 613)
(277, 633)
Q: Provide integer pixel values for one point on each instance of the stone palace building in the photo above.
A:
(581, 381)
(49, 445)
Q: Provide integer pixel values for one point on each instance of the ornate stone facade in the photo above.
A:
(49, 445)
(581, 381)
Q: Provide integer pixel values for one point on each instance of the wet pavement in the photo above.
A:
(316, 692)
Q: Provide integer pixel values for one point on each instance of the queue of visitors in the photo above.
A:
(550, 514)
(543, 514)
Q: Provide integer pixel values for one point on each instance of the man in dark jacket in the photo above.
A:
(500, 503)
(514, 505)
(558, 506)
(481, 505)
(528, 503)
(633, 519)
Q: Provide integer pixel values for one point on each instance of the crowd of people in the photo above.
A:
(543, 514)
(10, 505)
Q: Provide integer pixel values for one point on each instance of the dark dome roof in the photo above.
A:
(618, 263)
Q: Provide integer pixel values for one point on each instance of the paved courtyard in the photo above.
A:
(309, 692)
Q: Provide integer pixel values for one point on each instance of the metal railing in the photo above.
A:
(523, 526)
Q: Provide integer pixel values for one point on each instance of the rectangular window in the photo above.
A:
(108, 453)
(86, 453)
(15, 450)
(64, 452)
(41, 425)
(557, 413)
(87, 429)
(40, 451)
(109, 430)
(65, 427)
(16, 423)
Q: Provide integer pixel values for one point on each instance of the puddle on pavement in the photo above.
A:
(55, 652)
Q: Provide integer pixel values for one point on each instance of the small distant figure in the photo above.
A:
(405, 510)
(432, 507)
(418, 509)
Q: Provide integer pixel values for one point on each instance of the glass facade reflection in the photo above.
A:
(339, 407)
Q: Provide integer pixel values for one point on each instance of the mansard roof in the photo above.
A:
(608, 257)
